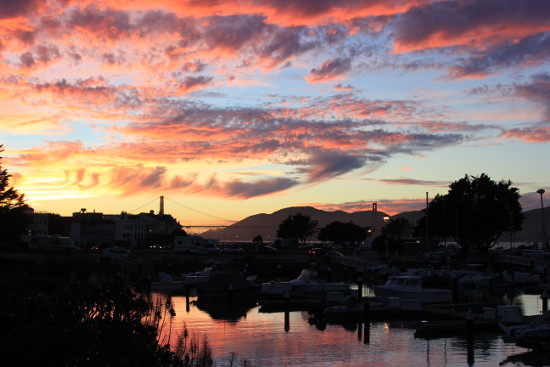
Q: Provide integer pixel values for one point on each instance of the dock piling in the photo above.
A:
(187, 294)
(366, 319)
(470, 328)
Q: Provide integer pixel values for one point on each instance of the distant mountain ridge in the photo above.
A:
(266, 225)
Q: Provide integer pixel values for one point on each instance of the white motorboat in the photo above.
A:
(536, 329)
(409, 287)
(198, 277)
(307, 282)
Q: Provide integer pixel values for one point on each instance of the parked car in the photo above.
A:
(232, 250)
(317, 251)
(266, 250)
(115, 253)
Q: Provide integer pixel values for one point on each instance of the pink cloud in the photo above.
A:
(531, 135)
(390, 207)
(53, 152)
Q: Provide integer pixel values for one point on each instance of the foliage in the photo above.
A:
(475, 212)
(258, 240)
(299, 228)
(396, 231)
(13, 209)
(49, 322)
(344, 233)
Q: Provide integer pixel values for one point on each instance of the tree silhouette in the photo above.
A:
(345, 233)
(396, 231)
(258, 240)
(475, 212)
(299, 228)
(13, 209)
(82, 314)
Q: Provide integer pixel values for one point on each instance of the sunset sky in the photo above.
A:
(238, 107)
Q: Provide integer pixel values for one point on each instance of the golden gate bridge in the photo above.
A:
(192, 220)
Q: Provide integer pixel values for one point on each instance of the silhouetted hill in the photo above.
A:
(266, 225)
(412, 217)
(532, 227)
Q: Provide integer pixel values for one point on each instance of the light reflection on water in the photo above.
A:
(261, 339)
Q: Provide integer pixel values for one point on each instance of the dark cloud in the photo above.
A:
(452, 19)
(105, 24)
(108, 58)
(537, 91)
(27, 59)
(193, 82)
(344, 88)
(41, 53)
(195, 66)
(157, 21)
(138, 177)
(300, 8)
(531, 50)
(27, 37)
(326, 165)
(331, 69)
(232, 32)
(410, 181)
(47, 53)
(285, 43)
(480, 37)
(239, 188)
(14, 8)
(178, 182)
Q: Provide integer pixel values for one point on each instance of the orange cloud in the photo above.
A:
(531, 135)
(388, 206)
(285, 13)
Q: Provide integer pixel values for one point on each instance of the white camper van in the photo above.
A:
(196, 245)
(49, 243)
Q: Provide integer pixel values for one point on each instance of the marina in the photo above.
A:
(271, 339)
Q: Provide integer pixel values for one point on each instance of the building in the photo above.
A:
(100, 230)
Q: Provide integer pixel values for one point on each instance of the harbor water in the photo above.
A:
(267, 339)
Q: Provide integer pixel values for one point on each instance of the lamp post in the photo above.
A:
(543, 227)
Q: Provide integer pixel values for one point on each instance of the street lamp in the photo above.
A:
(543, 229)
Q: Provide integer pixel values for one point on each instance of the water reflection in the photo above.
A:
(533, 359)
(225, 310)
(297, 339)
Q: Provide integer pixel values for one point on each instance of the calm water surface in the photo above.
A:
(263, 340)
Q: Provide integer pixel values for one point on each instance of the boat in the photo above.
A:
(307, 282)
(168, 283)
(409, 287)
(536, 329)
(198, 277)
(227, 285)
(181, 283)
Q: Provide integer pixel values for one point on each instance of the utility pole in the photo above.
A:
(543, 224)
(427, 225)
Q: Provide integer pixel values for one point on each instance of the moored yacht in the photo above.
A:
(409, 287)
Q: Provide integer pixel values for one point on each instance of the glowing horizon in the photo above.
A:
(250, 106)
